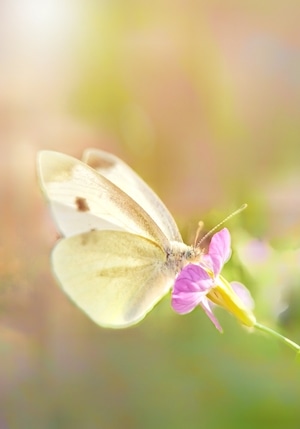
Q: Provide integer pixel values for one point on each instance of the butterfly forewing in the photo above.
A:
(126, 179)
(115, 277)
(95, 202)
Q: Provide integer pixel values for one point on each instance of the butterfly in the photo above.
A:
(120, 249)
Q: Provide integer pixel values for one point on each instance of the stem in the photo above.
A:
(270, 331)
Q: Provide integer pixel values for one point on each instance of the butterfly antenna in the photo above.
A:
(243, 207)
(199, 229)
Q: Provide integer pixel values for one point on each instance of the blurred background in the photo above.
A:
(202, 99)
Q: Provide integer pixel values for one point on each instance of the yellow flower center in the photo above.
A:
(223, 295)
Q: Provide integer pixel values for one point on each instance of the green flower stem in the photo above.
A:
(270, 331)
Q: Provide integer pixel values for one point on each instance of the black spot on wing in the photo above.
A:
(81, 204)
(100, 163)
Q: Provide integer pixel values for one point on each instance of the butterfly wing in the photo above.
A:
(115, 277)
(82, 200)
(119, 173)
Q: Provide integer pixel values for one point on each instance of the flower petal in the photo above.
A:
(191, 285)
(219, 251)
(205, 304)
(244, 294)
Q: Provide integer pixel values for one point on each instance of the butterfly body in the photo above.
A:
(121, 249)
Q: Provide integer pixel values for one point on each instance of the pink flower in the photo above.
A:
(203, 285)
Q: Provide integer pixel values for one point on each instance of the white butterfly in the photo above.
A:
(122, 249)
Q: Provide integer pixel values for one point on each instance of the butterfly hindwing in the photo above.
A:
(113, 276)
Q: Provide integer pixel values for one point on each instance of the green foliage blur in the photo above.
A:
(202, 99)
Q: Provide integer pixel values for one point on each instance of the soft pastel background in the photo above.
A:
(202, 98)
